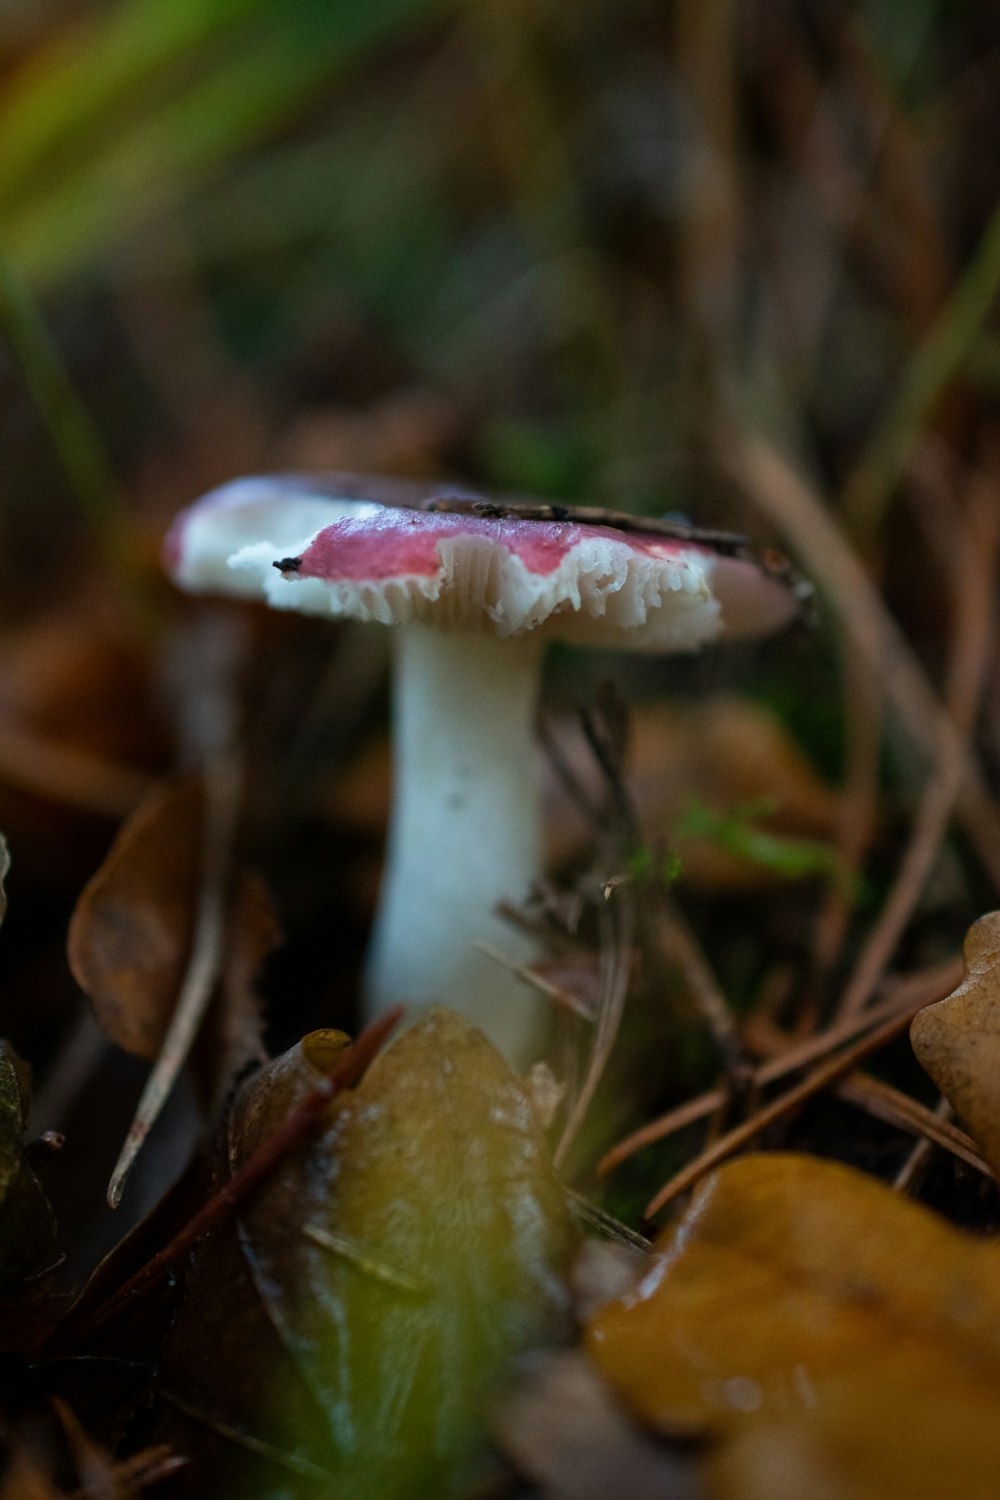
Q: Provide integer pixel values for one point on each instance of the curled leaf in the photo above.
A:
(385, 1275)
(957, 1040)
(131, 932)
(802, 1308)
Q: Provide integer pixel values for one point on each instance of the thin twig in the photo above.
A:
(974, 584)
(678, 941)
(296, 1125)
(74, 437)
(932, 367)
(916, 1164)
(554, 992)
(858, 808)
(618, 921)
(785, 1104)
(908, 996)
(783, 495)
(223, 783)
(681, 947)
(890, 1104)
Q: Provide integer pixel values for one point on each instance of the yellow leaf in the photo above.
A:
(842, 1341)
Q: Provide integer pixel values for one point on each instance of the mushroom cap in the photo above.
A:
(327, 547)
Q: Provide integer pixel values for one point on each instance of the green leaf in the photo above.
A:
(397, 1266)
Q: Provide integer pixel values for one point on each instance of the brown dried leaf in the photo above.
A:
(726, 754)
(78, 734)
(800, 1308)
(957, 1040)
(562, 1430)
(130, 935)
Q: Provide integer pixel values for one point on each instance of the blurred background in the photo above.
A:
(736, 260)
(554, 248)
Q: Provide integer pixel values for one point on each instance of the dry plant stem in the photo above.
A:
(973, 582)
(797, 510)
(858, 805)
(292, 1463)
(911, 1173)
(908, 997)
(298, 1122)
(894, 1107)
(709, 229)
(920, 274)
(571, 782)
(618, 924)
(565, 999)
(678, 941)
(94, 1468)
(223, 783)
(881, 1100)
(681, 948)
(785, 1104)
(141, 1471)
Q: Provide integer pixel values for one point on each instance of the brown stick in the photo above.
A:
(973, 587)
(785, 1104)
(296, 1125)
(896, 1108)
(910, 996)
(788, 500)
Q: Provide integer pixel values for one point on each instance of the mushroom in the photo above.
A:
(477, 589)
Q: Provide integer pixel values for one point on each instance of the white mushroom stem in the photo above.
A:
(464, 833)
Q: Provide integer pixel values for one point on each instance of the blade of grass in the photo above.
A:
(161, 155)
(74, 437)
(79, 83)
(934, 365)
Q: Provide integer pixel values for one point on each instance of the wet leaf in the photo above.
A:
(957, 1040)
(383, 1278)
(801, 1308)
(130, 936)
(27, 1228)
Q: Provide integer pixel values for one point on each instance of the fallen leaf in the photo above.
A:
(723, 756)
(131, 931)
(79, 733)
(27, 1227)
(957, 1040)
(382, 1279)
(561, 1428)
(802, 1308)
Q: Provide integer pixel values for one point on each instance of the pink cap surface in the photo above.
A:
(352, 558)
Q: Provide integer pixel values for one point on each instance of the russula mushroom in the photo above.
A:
(476, 591)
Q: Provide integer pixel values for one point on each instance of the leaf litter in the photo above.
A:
(387, 1273)
(827, 1335)
(745, 943)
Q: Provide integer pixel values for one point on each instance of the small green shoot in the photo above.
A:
(735, 831)
(649, 864)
